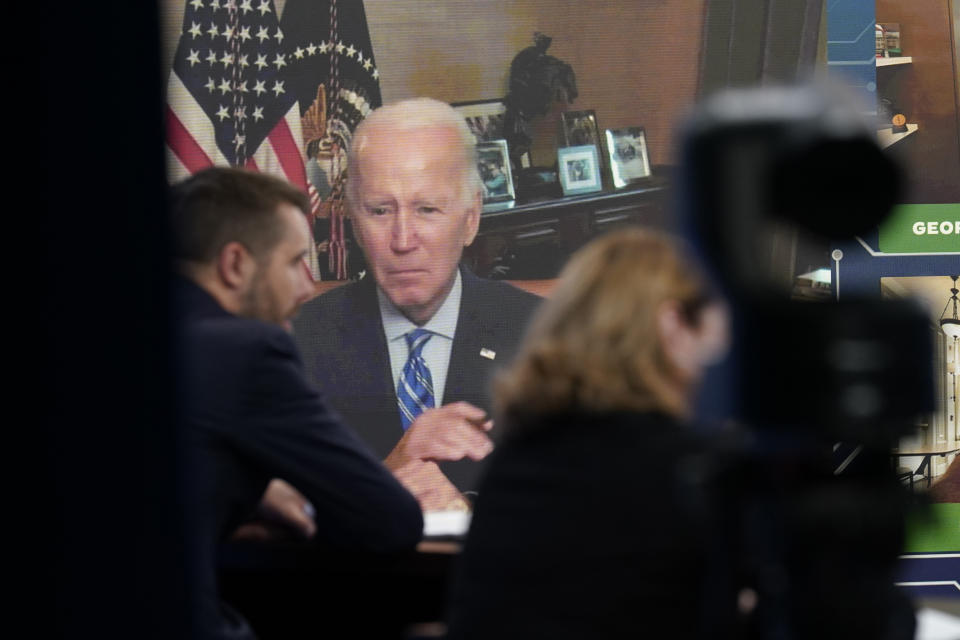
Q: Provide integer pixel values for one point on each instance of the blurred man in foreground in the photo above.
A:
(407, 354)
(249, 413)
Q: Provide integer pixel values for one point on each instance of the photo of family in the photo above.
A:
(579, 128)
(629, 160)
(484, 117)
(579, 169)
(494, 166)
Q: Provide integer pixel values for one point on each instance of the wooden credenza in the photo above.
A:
(533, 240)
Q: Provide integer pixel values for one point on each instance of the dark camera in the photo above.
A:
(811, 512)
(755, 160)
(805, 159)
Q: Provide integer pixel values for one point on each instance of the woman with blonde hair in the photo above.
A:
(586, 525)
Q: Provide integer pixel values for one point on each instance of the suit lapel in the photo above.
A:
(469, 372)
(366, 376)
(367, 328)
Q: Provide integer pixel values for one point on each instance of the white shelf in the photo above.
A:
(887, 137)
(889, 62)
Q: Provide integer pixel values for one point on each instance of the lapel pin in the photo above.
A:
(489, 354)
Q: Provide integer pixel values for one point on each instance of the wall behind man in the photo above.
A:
(636, 63)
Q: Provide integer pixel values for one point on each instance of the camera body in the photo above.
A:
(805, 161)
(808, 512)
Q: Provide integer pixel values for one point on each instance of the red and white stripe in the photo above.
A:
(192, 146)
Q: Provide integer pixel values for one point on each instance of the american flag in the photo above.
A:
(337, 86)
(232, 96)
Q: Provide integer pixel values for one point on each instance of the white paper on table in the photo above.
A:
(446, 523)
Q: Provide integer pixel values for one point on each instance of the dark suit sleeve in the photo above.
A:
(290, 433)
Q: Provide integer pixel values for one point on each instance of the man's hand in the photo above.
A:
(284, 504)
(430, 487)
(452, 432)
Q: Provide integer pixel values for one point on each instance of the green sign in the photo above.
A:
(921, 228)
(936, 529)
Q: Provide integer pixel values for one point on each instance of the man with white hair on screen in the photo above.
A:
(407, 353)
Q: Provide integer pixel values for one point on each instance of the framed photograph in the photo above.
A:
(629, 160)
(579, 128)
(484, 117)
(494, 166)
(579, 169)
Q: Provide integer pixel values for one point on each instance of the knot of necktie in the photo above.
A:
(416, 340)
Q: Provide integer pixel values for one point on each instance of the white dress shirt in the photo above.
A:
(436, 352)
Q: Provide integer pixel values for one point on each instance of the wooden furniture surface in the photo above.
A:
(925, 453)
(940, 449)
(295, 589)
(532, 241)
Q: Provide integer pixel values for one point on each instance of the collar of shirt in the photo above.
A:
(436, 352)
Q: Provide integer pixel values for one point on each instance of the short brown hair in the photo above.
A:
(594, 345)
(220, 205)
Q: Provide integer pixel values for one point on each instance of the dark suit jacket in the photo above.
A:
(345, 351)
(585, 527)
(250, 415)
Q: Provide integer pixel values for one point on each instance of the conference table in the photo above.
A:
(296, 589)
(926, 453)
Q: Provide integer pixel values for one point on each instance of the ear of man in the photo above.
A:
(236, 266)
(473, 218)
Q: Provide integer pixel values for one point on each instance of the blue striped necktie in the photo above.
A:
(415, 388)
